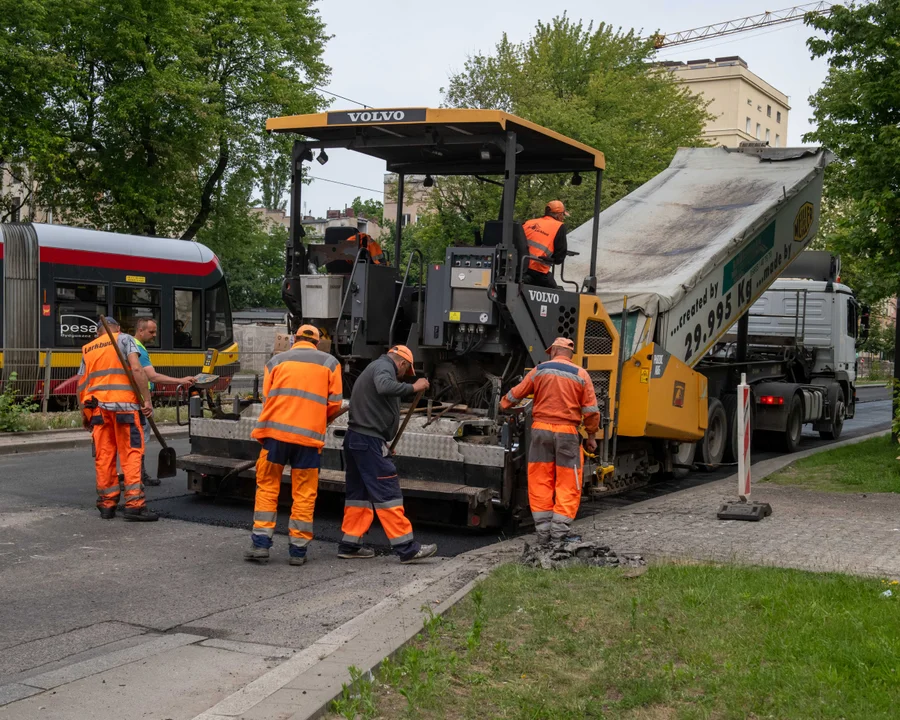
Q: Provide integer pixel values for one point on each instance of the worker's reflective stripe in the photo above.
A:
(542, 515)
(299, 541)
(358, 503)
(402, 539)
(559, 518)
(542, 249)
(264, 531)
(269, 425)
(109, 492)
(335, 398)
(377, 258)
(305, 394)
(133, 486)
(300, 525)
(264, 516)
(559, 373)
(352, 539)
(590, 409)
(512, 398)
(304, 355)
(99, 373)
(110, 387)
(396, 502)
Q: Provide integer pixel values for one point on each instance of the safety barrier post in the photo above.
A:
(744, 509)
(48, 361)
(743, 439)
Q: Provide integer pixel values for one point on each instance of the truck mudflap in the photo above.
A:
(333, 481)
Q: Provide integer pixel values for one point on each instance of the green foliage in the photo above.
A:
(14, 413)
(857, 113)
(356, 701)
(129, 114)
(370, 209)
(880, 341)
(251, 253)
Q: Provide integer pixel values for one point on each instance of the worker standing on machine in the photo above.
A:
(114, 415)
(563, 398)
(376, 254)
(303, 393)
(546, 238)
(372, 483)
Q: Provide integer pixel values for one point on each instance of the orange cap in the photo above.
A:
(403, 352)
(562, 342)
(308, 332)
(556, 206)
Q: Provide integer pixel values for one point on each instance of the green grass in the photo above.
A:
(676, 642)
(69, 420)
(869, 466)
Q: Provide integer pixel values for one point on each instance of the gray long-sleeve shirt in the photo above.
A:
(375, 401)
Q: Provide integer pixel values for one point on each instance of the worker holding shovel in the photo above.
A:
(114, 413)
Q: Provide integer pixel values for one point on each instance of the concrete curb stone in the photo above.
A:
(47, 440)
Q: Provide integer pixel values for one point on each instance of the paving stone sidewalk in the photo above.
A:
(809, 530)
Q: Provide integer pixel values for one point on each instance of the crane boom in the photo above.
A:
(752, 22)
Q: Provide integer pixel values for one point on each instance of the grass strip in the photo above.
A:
(668, 642)
(869, 466)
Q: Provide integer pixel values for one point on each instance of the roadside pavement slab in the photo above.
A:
(176, 685)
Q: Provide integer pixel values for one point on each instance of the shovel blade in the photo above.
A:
(165, 467)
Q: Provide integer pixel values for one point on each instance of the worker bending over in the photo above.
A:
(546, 238)
(114, 415)
(302, 389)
(376, 254)
(563, 395)
(372, 484)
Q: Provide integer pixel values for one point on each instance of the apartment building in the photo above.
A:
(744, 106)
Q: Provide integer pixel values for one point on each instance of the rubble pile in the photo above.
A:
(558, 555)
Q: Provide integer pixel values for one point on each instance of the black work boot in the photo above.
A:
(107, 513)
(140, 515)
(145, 477)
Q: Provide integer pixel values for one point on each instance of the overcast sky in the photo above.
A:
(398, 53)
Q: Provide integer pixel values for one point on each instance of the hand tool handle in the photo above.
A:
(134, 386)
(409, 413)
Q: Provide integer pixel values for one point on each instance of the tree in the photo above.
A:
(857, 114)
(597, 86)
(369, 209)
(131, 113)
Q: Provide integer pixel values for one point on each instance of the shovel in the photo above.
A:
(409, 413)
(166, 463)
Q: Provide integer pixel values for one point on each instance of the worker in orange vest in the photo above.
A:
(376, 254)
(563, 399)
(546, 238)
(303, 393)
(114, 415)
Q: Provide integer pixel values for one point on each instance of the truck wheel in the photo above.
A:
(836, 424)
(684, 455)
(712, 446)
(789, 438)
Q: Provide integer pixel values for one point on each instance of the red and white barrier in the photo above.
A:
(743, 437)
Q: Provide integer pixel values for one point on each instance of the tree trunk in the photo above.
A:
(206, 198)
(896, 384)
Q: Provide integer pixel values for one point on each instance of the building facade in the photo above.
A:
(745, 107)
(315, 227)
(415, 198)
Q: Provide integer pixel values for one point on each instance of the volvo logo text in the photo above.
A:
(545, 297)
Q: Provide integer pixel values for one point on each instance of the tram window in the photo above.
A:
(188, 328)
(130, 304)
(78, 305)
(218, 316)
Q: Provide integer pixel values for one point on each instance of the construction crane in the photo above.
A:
(752, 22)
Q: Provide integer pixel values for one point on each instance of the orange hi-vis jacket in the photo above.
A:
(563, 395)
(303, 391)
(376, 254)
(104, 378)
(540, 234)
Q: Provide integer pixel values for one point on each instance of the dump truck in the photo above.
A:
(724, 222)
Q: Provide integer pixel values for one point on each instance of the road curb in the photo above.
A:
(48, 440)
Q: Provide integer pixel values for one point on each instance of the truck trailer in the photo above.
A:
(703, 239)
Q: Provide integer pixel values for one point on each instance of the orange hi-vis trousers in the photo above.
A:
(304, 462)
(373, 487)
(554, 478)
(118, 433)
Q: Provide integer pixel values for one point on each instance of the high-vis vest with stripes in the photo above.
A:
(376, 254)
(563, 394)
(104, 379)
(541, 234)
(303, 390)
